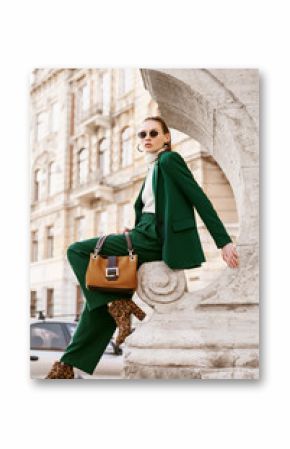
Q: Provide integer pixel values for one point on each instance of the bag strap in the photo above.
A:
(100, 243)
(102, 239)
(129, 242)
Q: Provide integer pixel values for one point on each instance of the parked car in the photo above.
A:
(48, 341)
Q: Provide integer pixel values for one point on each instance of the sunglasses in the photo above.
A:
(151, 133)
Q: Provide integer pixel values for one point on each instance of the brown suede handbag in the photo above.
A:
(112, 273)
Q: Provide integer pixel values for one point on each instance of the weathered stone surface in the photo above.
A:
(134, 371)
(158, 284)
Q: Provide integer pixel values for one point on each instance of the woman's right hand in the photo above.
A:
(230, 255)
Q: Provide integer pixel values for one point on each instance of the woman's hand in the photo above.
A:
(230, 255)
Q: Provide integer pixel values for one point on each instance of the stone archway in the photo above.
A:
(220, 109)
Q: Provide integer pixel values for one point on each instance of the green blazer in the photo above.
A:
(177, 195)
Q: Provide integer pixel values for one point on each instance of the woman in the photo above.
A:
(165, 229)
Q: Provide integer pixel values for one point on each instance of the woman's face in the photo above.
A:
(149, 143)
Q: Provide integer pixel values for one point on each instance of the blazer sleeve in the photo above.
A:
(175, 166)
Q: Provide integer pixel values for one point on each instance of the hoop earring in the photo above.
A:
(141, 151)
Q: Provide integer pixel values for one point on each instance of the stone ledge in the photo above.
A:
(135, 371)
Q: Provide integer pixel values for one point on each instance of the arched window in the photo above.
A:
(126, 147)
(39, 184)
(52, 178)
(83, 166)
(104, 157)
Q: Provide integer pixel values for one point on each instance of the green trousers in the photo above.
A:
(96, 326)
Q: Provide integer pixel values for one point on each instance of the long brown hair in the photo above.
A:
(165, 128)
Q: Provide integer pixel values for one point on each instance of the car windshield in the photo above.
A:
(47, 336)
(71, 327)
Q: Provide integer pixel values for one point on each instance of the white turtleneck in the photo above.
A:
(147, 193)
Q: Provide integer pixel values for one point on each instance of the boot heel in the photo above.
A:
(139, 313)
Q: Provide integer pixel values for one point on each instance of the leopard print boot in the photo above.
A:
(61, 370)
(121, 310)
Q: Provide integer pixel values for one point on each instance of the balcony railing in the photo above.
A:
(93, 189)
(95, 117)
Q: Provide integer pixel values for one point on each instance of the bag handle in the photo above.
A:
(129, 243)
(100, 244)
(103, 237)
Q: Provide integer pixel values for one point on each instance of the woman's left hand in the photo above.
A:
(230, 255)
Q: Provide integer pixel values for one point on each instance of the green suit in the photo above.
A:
(177, 195)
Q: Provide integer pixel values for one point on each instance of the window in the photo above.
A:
(126, 147)
(104, 157)
(36, 184)
(49, 336)
(41, 125)
(33, 303)
(50, 241)
(50, 302)
(34, 246)
(39, 184)
(102, 222)
(52, 176)
(80, 228)
(83, 167)
(54, 117)
(84, 98)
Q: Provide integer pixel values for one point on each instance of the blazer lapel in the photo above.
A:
(138, 203)
(154, 183)
(155, 180)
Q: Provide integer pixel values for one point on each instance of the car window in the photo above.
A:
(71, 327)
(47, 336)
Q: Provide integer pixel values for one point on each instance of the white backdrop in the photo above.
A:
(176, 414)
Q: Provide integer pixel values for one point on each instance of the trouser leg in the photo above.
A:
(90, 339)
(96, 325)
